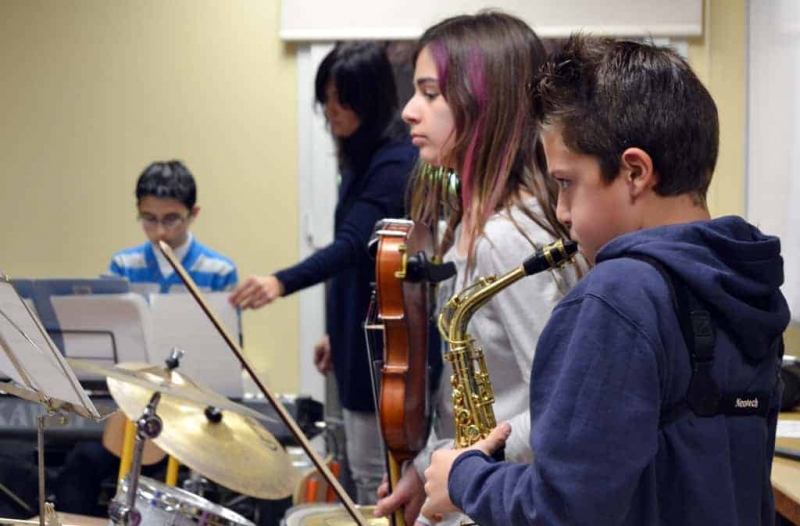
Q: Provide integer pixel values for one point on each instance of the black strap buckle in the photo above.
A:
(703, 393)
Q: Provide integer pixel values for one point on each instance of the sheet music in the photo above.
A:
(145, 289)
(179, 322)
(106, 328)
(31, 359)
(110, 327)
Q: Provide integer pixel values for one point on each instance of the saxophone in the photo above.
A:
(473, 397)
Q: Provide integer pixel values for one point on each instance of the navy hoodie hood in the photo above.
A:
(730, 266)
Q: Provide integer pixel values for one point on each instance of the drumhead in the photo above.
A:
(295, 514)
(326, 514)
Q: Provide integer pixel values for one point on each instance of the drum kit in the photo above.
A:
(211, 435)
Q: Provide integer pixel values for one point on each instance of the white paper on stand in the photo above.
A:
(178, 321)
(145, 289)
(30, 358)
(104, 328)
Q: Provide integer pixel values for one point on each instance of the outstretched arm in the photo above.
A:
(384, 188)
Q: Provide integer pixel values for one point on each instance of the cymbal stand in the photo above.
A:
(52, 418)
(173, 361)
(196, 483)
(148, 426)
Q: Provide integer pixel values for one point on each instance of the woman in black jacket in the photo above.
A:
(356, 87)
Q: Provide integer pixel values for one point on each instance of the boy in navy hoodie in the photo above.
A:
(654, 390)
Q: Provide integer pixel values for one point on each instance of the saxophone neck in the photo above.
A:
(459, 310)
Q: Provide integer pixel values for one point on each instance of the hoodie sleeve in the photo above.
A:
(594, 427)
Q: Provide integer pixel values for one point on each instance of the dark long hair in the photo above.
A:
(486, 64)
(364, 80)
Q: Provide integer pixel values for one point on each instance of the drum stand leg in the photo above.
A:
(51, 418)
(149, 426)
(196, 483)
(40, 454)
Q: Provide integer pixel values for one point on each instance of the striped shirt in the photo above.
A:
(210, 270)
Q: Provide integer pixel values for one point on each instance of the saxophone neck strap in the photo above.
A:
(704, 397)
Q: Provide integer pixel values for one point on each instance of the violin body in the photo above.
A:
(404, 308)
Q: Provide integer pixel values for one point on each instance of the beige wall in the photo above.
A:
(719, 59)
(91, 91)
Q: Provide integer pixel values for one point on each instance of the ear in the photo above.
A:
(636, 167)
(195, 211)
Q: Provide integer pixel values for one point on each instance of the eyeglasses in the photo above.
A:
(168, 221)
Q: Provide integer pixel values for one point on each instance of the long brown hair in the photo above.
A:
(486, 64)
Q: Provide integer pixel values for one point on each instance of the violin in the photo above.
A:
(404, 277)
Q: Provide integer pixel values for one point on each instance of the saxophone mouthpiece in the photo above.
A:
(553, 255)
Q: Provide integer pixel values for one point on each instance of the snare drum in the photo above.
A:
(162, 505)
(328, 515)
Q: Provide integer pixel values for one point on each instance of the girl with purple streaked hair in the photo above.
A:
(470, 115)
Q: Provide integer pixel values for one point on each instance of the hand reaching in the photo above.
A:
(255, 292)
(408, 493)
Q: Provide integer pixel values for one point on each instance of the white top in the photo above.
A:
(507, 328)
(163, 264)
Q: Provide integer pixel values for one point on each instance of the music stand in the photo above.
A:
(38, 372)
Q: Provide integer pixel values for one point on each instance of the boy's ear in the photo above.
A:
(637, 168)
(195, 210)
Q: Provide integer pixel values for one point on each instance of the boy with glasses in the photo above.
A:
(165, 198)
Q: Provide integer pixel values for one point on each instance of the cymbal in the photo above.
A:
(236, 452)
(153, 378)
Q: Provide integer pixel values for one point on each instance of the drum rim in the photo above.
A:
(299, 511)
(310, 509)
(167, 498)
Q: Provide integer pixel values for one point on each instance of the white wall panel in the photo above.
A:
(307, 20)
(773, 130)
